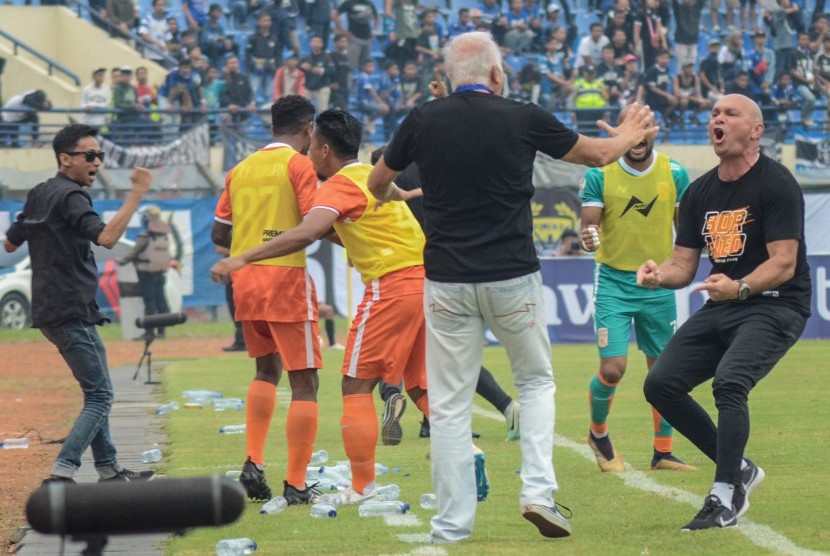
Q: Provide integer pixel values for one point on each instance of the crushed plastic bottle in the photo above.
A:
(224, 404)
(428, 501)
(233, 429)
(328, 499)
(151, 456)
(166, 408)
(323, 510)
(388, 507)
(381, 469)
(319, 457)
(274, 506)
(388, 492)
(200, 395)
(312, 473)
(15, 443)
(235, 547)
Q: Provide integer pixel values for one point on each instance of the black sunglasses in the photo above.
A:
(89, 156)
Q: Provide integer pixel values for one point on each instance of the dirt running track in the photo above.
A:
(37, 392)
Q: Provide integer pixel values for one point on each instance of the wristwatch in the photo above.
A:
(743, 290)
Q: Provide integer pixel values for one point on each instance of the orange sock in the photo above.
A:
(359, 427)
(662, 433)
(300, 432)
(423, 404)
(262, 397)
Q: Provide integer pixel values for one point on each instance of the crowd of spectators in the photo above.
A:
(352, 55)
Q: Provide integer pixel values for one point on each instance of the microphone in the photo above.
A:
(161, 320)
(160, 506)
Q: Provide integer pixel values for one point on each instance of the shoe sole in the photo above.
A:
(616, 465)
(749, 489)
(543, 519)
(391, 432)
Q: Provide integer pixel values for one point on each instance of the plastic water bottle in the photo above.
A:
(323, 510)
(328, 499)
(428, 501)
(388, 492)
(274, 506)
(312, 473)
(319, 457)
(200, 395)
(233, 429)
(223, 404)
(387, 507)
(235, 547)
(15, 443)
(151, 456)
(381, 469)
(233, 474)
(167, 408)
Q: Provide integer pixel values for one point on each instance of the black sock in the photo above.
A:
(489, 389)
(604, 445)
(330, 331)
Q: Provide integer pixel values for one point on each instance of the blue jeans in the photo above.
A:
(82, 349)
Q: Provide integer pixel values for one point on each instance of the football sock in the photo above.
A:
(359, 427)
(662, 433)
(724, 492)
(262, 397)
(330, 331)
(600, 397)
(300, 433)
(489, 389)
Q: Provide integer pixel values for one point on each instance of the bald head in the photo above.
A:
(744, 104)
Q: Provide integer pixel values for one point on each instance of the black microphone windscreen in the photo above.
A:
(162, 505)
(159, 321)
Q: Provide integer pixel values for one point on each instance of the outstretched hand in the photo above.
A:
(638, 124)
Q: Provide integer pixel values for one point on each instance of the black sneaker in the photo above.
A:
(713, 514)
(424, 428)
(253, 479)
(294, 495)
(58, 479)
(391, 432)
(125, 475)
(751, 477)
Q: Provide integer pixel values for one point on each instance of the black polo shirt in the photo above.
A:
(475, 153)
(59, 223)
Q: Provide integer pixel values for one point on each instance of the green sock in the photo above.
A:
(601, 397)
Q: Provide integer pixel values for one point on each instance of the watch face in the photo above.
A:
(743, 293)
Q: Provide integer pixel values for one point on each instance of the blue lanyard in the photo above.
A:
(474, 87)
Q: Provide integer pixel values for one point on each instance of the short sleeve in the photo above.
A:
(397, 154)
(304, 179)
(548, 134)
(783, 206)
(688, 228)
(78, 212)
(340, 195)
(224, 211)
(592, 189)
(681, 178)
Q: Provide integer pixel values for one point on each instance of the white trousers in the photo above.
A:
(455, 317)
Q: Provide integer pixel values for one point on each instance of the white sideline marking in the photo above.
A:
(405, 520)
(761, 535)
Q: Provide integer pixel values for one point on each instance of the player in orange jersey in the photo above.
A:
(266, 194)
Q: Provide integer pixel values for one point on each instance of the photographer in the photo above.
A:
(570, 244)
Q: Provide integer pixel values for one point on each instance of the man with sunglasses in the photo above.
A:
(59, 223)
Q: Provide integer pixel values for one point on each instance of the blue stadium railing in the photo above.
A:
(158, 126)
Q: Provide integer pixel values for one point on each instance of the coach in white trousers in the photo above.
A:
(475, 151)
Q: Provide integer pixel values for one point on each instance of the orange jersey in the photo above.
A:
(379, 240)
(265, 194)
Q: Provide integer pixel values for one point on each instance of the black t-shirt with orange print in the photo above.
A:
(734, 221)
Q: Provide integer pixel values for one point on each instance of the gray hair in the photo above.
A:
(470, 57)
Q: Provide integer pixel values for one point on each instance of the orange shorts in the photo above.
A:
(387, 340)
(297, 343)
